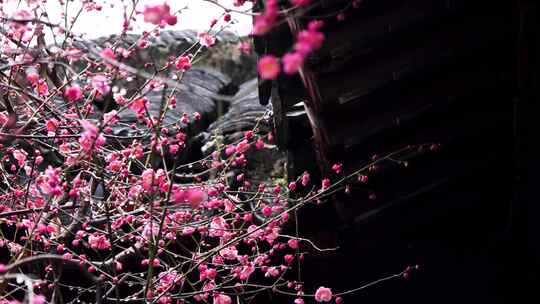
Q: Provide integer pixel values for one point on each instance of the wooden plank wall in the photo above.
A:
(461, 75)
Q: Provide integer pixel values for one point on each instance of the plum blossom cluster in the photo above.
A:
(159, 15)
(129, 213)
(307, 41)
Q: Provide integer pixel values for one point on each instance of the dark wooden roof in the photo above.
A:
(390, 64)
(439, 79)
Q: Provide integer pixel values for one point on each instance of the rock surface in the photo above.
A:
(246, 113)
(219, 70)
(223, 56)
(242, 115)
(191, 100)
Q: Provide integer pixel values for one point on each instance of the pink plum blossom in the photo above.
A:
(206, 39)
(323, 294)
(159, 15)
(108, 53)
(183, 63)
(90, 138)
(20, 156)
(147, 179)
(139, 105)
(268, 67)
(98, 241)
(50, 182)
(101, 84)
(73, 93)
(292, 62)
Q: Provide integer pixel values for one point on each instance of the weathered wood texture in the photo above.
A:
(396, 73)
